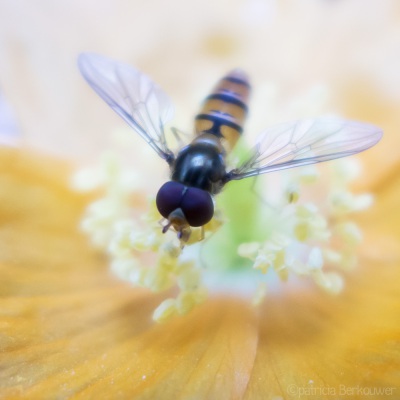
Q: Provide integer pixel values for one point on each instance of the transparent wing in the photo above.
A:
(132, 95)
(305, 142)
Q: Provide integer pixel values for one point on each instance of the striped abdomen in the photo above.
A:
(225, 109)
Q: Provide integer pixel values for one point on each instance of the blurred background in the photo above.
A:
(305, 58)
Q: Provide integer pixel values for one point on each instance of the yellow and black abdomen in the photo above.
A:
(224, 110)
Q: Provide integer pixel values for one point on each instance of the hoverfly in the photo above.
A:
(198, 170)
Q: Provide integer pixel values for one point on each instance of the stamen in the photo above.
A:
(302, 236)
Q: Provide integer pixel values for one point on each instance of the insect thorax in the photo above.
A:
(201, 164)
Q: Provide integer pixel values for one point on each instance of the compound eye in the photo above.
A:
(198, 206)
(169, 197)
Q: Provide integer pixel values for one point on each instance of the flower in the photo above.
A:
(71, 329)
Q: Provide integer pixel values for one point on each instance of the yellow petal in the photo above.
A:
(381, 224)
(69, 327)
(313, 341)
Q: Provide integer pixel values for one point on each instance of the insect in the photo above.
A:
(198, 170)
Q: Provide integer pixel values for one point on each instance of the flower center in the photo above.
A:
(295, 223)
